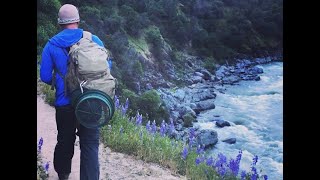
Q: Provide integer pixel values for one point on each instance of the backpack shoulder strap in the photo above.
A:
(56, 70)
(87, 35)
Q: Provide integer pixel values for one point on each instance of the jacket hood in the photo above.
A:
(66, 38)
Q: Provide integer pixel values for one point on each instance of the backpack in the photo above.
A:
(88, 68)
(89, 82)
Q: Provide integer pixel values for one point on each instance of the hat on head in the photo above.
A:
(68, 13)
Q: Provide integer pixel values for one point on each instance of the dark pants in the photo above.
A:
(89, 145)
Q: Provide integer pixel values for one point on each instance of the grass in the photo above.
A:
(42, 169)
(152, 144)
(124, 136)
(41, 173)
(140, 45)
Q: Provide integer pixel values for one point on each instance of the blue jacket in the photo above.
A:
(55, 51)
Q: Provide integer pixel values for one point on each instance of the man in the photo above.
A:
(55, 55)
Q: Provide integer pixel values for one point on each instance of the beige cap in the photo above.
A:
(68, 13)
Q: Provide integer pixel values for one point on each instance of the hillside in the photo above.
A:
(158, 43)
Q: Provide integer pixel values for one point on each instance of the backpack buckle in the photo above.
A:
(82, 84)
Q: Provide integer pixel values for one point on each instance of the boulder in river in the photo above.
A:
(230, 140)
(207, 137)
(222, 123)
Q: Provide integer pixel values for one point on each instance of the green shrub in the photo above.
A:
(137, 69)
(133, 99)
(154, 37)
(188, 120)
(209, 64)
(41, 173)
(151, 105)
(49, 94)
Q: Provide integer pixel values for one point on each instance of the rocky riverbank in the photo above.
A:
(184, 104)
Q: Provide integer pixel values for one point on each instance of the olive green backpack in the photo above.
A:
(89, 83)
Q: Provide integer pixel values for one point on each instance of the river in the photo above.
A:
(255, 110)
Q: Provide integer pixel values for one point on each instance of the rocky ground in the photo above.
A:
(186, 103)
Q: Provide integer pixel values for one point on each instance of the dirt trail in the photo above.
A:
(113, 165)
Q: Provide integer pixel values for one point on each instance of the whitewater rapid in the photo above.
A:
(255, 110)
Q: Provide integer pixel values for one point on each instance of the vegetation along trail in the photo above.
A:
(113, 165)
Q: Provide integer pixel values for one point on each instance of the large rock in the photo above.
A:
(230, 140)
(231, 79)
(184, 109)
(196, 79)
(246, 63)
(222, 123)
(204, 105)
(179, 127)
(174, 115)
(202, 94)
(172, 134)
(179, 121)
(207, 138)
(180, 94)
(256, 70)
(206, 74)
(221, 71)
(198, 74)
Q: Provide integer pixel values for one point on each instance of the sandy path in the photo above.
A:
(113, 165)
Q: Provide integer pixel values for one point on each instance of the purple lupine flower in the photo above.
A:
(235, 164)
(116, 102)
(265, 177)
(148, 126)
(123, 110)
(243, 175)
(46, 167)
(254, 175)
(154, 127)
(200, 149)
(254, 170)
(238, 159)
(127, 104)
(185, 153)
(163, 129)
(192, 135)
(199, 160)
(221, 160)
(138, 119)
(222, 171)
(219, 165)
(255, 160)
(234, 167)
(209, 161)
(40, 143)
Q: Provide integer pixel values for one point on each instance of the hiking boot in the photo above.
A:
(63, 176)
